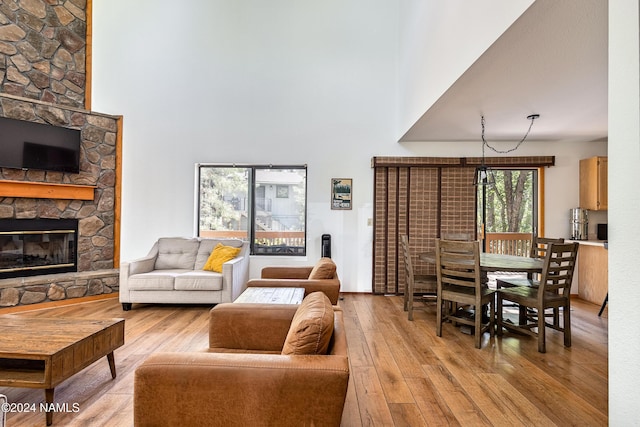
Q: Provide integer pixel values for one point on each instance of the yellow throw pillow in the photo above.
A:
(219, 256)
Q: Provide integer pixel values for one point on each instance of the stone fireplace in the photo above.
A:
(55, 263)
(29, 247)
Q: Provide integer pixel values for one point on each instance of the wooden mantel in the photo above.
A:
(44, 190)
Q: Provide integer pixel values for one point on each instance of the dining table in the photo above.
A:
(492, 262)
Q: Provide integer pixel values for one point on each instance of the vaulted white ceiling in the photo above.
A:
(552, 61)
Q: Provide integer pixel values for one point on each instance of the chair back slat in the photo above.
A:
(457, 236)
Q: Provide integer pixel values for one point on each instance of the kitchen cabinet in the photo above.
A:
(593, 269)
(593, 183)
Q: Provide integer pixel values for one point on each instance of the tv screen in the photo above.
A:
(41, 156)
(29, 145)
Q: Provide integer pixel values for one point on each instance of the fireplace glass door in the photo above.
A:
(37, 246)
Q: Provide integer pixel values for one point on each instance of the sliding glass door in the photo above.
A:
(507, 212)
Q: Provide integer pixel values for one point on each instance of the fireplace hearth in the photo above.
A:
(30, 247)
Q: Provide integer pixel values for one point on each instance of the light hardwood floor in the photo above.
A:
(401, 373)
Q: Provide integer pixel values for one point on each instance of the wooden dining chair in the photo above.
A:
(418, 287)
(539, 247)
(459, 282)
(538, 250)
(551, 291)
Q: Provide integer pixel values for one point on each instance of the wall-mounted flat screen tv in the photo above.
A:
(29, 145)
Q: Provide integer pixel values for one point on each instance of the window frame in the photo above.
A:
(251, 197)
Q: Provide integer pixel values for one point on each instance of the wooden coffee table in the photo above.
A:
(264, 295)
(42, 353)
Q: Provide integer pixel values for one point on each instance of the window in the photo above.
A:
(265, 205)
(507, 212)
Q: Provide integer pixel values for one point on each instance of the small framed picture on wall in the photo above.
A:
(341, 193)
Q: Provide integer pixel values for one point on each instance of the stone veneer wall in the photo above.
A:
(96, 218)
(56, 287)
(43, 50)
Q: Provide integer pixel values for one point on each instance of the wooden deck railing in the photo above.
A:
(263, 238)
(509, 243)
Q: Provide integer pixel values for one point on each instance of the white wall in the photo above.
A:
(439, 40)
(624, 199)
(291, 82)
(246, 81)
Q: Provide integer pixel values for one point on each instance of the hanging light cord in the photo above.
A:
(532, 117)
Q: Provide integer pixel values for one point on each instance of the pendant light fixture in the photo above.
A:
(484, 175)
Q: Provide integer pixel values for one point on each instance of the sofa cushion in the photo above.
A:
(325, 268)
(312, 326)
(176, 252)
(156, 280)
(199, 280)
(219, 256)
(206, 247)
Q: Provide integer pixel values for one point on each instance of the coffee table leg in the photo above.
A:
(112, 365)
(48, 397)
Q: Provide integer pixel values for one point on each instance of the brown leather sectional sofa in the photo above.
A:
(244, 379)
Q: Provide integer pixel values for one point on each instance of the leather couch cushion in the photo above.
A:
(176, 252)
(325, 268)
(312, 326)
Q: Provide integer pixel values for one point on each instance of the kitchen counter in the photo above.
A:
(592, 270)
(589, 242)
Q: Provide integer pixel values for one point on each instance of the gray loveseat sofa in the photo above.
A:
(172, 273)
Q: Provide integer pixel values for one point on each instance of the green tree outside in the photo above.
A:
(509, 203)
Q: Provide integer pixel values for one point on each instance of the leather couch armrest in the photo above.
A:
(286, 272)
(239, 389)
(237, 326)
